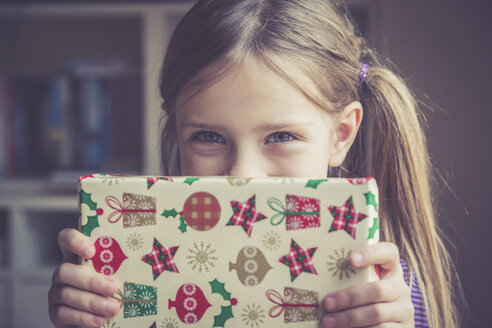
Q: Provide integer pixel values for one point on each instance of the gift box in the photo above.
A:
(225, 251)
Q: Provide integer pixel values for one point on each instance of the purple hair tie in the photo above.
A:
(363, 73)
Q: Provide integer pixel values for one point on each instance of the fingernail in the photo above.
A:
(88, 250)
(356, 258)
(112, 307)
(98, 320)
(109, 287)
(328, 322)
(329, 304)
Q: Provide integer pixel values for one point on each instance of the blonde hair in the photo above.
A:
(318, 37)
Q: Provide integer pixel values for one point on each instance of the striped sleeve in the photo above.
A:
(420, 314)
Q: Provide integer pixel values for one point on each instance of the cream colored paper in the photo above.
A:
(212, 255)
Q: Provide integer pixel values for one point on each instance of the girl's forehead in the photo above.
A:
(248, 78)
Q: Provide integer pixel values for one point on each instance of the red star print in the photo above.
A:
(298, 260)
(245, 215)
(161, 259)
(345, 217)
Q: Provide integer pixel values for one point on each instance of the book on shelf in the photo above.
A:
(85, 118)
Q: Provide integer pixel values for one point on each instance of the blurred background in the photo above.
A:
(79, 94)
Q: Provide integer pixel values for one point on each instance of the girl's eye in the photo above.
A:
(279, 137)
(208, 137)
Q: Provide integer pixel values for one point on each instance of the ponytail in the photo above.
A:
(400, 162)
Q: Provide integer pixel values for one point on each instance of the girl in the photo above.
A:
(278, 88)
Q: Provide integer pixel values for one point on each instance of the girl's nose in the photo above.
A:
(246, 164)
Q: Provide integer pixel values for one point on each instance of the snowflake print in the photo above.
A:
(250, 251)
(271, 240)
(190, 318)
(131, 311)
(284, 180)
(169, 323)
(189, 289)
(106, 242)
(310, 207)
(110, 324)
(295, 223)
(106, 256)
(147, 296)
(147, 205)
(129, 293)
(291, 204)
(134, 242)
(107, 270)
(190, 304)
(110, 179)
(339, 264)
(201, 257)
(151, 311)
(253, 315)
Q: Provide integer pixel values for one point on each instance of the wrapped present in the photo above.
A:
(138, 300)
(226, 251)
(134, 210)
(301, 212)
(297, 305)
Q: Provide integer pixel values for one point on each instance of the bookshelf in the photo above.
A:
(48, 45)
(118, 44)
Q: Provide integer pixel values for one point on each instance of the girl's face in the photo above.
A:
(252, 123)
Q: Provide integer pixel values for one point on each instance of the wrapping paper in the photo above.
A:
(225, 251)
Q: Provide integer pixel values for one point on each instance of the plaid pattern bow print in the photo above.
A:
(161, 259)
(245, 215)
(345, 217)
(299, 260)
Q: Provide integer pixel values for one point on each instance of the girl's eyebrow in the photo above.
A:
(263, 127)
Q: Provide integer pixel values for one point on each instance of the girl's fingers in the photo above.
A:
(388, 290)
(73, 243)
(82, 278)
(62, 316)
(84, 301)
(384, 254)
(378, 314)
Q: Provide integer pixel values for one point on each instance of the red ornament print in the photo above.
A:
(108, 257)
(190, 303)
(201, 211)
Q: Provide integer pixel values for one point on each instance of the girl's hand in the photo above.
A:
(384, 303)
(79, 296)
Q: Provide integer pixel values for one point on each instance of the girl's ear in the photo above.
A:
(345, 132)
(164, 108)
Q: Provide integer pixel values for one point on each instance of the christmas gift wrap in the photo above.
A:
(226, 251)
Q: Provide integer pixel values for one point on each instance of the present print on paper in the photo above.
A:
(297, 305)
(299, 212)
(138, 300)
(134, 210)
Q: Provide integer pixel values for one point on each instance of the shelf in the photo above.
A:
(4, 241)
(42, 226)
